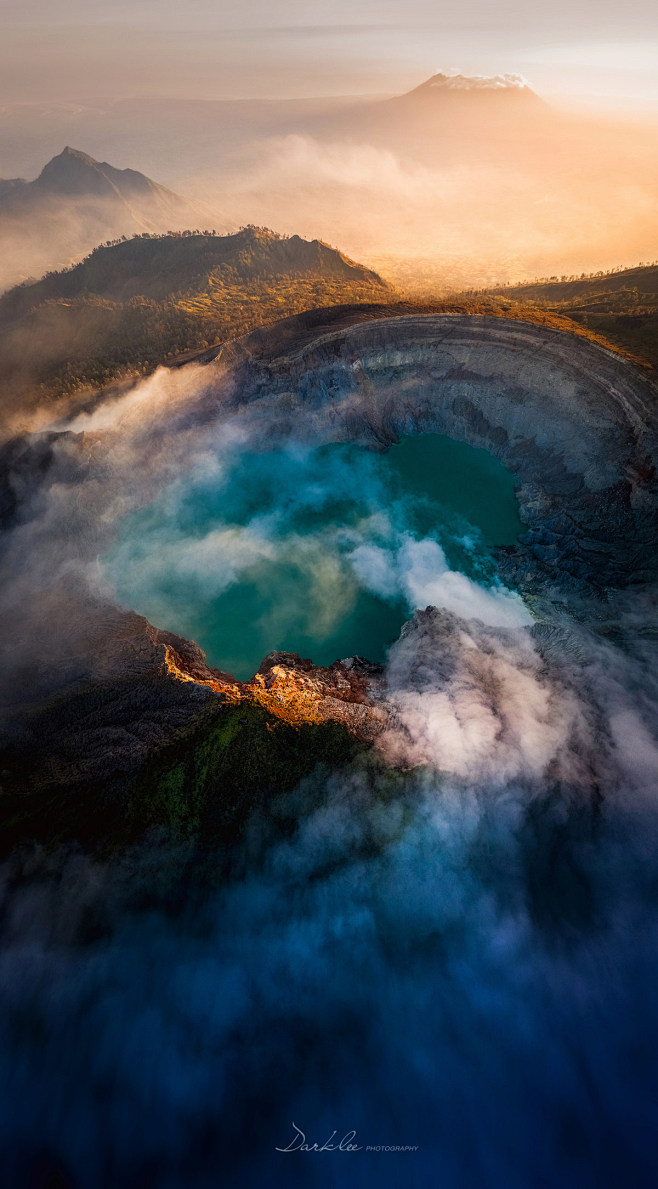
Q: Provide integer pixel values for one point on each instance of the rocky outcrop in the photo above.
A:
(289, 687)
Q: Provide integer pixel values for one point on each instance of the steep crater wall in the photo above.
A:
(575, 423)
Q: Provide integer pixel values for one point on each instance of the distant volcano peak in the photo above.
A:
(478, 82)
(487, 96)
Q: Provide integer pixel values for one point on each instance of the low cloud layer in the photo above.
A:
(462, 962)
(450, 206)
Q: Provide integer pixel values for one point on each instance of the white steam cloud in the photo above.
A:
(418, 570)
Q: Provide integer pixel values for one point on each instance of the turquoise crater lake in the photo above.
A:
(324, 552)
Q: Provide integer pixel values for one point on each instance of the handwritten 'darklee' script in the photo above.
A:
(299, 1143)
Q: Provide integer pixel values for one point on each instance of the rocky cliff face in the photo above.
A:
(94, 691)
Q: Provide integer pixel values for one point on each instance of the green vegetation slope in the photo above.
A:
(134, 303)
(621, 305)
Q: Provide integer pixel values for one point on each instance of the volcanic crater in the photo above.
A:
(101, 706)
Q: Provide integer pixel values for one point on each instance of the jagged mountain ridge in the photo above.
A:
(75, 175)
(476, 176)
(77, 202)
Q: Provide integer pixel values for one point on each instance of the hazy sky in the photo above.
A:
(77, 49)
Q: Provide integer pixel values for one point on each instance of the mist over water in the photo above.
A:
(324, 552)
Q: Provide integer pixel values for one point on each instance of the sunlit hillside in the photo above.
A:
(132, 305)
(622, 305)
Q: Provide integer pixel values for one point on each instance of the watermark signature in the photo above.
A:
(299, 1143)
